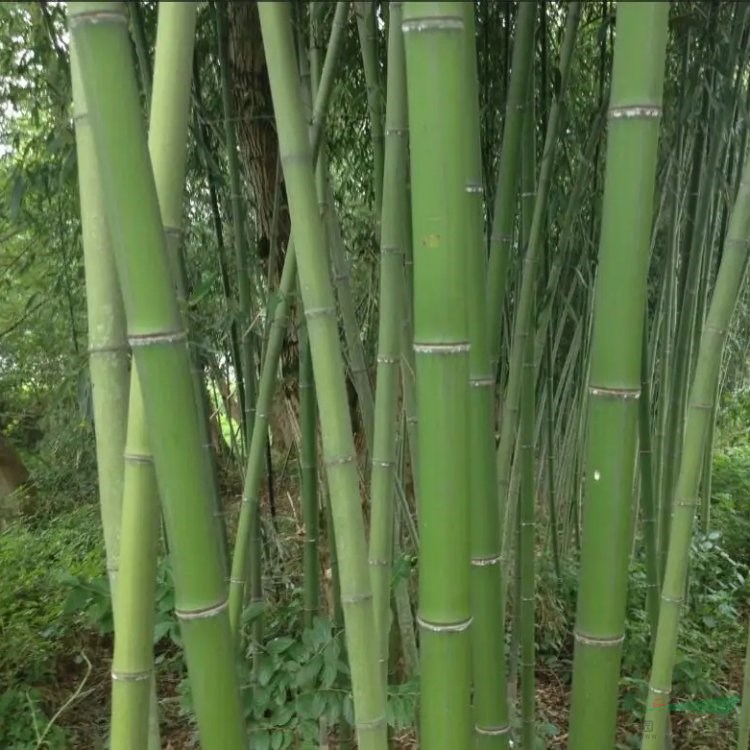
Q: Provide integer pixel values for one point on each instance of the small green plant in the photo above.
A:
(92, 597)
(291, 685)
(23, 725)
(34, 562)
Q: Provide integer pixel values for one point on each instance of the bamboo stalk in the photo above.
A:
(338, 443)
(163, 363)
(434, 44)
(614, 378)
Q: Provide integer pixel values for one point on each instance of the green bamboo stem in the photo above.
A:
(138, 31)
(344, 294)
(135, 722)
(490, 704)
(648, 499)
(133, 652)
(525, 548)
(108, 363)
(338, 443)
(528, 277)
(408, 367)
(703, 187)
(246, 373)
(341, 274)
(367, 30)
(700, 408)
(247, 528)
(434, 42)
(507, 180)
(308, 481)
(107, 338)
(614, 379)
(162, 360)
(383, 476)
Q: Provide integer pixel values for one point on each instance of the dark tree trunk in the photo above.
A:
(256, 132)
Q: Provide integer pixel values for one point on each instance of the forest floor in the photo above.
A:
(86, 719)
(74, 694)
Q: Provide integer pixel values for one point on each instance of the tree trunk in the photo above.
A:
(259, 147)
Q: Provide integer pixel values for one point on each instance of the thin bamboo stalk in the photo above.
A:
(247, 524)
(338, 443)
(700, 408)
(393, 225)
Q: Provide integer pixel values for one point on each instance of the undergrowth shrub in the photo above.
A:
(36, 631)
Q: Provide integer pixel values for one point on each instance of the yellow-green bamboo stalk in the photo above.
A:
(132, 665)
(162, 360)
(109, 377)
(490, 704)
(248, 511)
(434, 44)
(700, 410)
(383, 477)
(614, 379)
(320, 311)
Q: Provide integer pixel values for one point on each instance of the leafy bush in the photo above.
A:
(35, 562)
(23, 723)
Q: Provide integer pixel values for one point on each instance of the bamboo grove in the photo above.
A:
(555, 253)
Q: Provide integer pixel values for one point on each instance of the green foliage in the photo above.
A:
(37, 631)
(35, 562)
(92, 597)
(292, 683)
(22, 723)
(711, 628)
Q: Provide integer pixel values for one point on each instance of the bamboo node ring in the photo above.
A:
(473, 187)
(481, 382)
(621, 393)
(387, 360)
(339, 460)
(393, 249)
(672, 599)
(97, 16)
(237, 581)
(458, 348)
(659, 691)
(318, 312)
(378, 563)
(138, 458)
(153, 339)
(372, 724)
(201, 614)
(432, 24)
(603, 642)
(131, 676)
(448, 627)
(481, 562)
(357, 598)
(635, 111)
(492, 731)
(383, 464)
